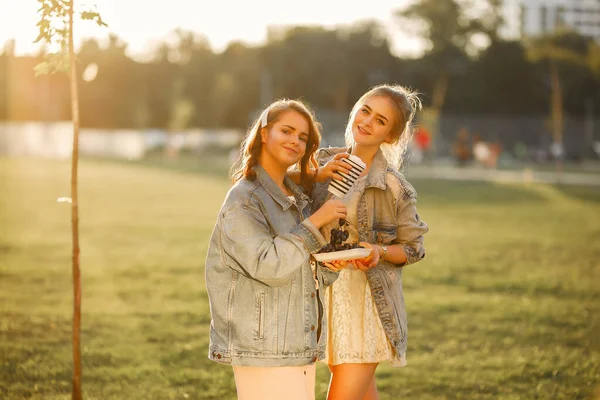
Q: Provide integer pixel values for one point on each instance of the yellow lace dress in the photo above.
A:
(355, 333)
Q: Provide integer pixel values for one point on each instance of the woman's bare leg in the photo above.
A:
(275, 383)
(352, 381)
(372, 393)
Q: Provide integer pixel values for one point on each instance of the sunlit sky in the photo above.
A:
(141, 23)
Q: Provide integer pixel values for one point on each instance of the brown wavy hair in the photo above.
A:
(252, 145)
(406, 103)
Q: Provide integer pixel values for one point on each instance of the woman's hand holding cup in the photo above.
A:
(333, 169)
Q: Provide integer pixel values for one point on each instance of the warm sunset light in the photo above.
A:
(141, 23)
(299, 200)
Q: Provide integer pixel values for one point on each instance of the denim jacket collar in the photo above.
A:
(378, 171)
(275, 192)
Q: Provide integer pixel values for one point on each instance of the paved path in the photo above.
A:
(482, 174)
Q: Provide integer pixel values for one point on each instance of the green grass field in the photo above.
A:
(505, 306)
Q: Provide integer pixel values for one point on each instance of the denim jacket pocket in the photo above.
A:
(384, 233)
(260, 316)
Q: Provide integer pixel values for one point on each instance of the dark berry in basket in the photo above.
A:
(338, 237)
(328, 248)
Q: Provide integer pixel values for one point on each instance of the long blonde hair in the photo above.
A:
(252, 145)
(406, 103)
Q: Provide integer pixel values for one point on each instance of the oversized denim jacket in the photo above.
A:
(386, 214)
(265, 307)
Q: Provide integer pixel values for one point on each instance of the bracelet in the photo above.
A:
(384, 248)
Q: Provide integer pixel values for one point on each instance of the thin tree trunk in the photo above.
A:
(76, 389)
(557, 115)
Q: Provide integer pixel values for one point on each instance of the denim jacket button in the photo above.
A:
(312, 295)
(312, 328)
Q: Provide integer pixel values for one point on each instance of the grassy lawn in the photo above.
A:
(505, 306)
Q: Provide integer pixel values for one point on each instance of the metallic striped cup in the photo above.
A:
(340, 188)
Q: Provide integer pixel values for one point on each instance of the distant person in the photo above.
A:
(486, 154)
(461, 147)
(481, 151)
(422, 138)
(265, 294)
(495, 153)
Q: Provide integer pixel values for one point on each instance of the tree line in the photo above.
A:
(187, 84)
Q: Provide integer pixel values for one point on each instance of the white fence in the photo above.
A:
(55, 140)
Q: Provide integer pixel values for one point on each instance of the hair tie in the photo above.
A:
(264, 118)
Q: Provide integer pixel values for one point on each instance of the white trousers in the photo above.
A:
(275, 383)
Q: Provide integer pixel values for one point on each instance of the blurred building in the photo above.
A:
(536, 17)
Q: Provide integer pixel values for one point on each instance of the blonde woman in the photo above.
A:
(365, 306)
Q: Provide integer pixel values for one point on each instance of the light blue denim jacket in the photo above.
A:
(386, 214)
(264, 303)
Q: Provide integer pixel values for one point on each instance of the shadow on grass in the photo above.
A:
(585, 193)
(523, 288)
(446, 192)
(27, 343)
(215, 165)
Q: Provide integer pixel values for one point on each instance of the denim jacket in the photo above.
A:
(263, 288)
(386, 214)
